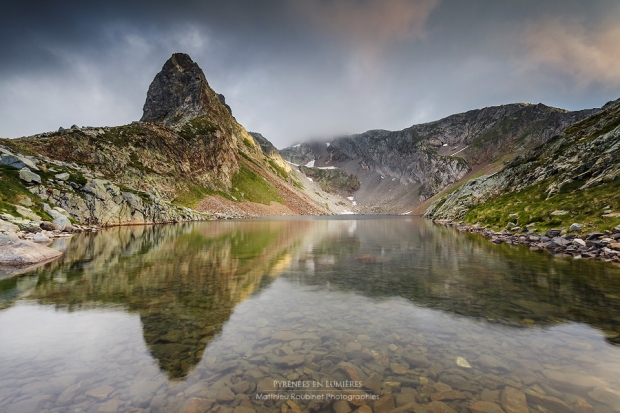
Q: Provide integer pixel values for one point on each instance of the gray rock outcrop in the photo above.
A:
(15, 161)
(222, 99)
(101, 202)
(434, 155)
(178, 93)
(266, 146)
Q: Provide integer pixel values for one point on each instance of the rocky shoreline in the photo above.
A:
(603, 246)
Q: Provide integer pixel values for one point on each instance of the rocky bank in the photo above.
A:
(604, 246)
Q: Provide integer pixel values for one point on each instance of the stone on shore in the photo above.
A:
(41, 237)
(575, 227)
(14, 251)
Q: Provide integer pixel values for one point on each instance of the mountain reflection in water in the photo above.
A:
(186, 281)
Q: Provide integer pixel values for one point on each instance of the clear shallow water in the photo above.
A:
(206, 316)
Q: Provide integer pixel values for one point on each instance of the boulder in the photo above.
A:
(579, 242)
(47, 226)
(559, 212)
(27, 213)
(514, 401)
(606, 396)
(14, 251)
(562, 242)
(485, 407)
(575, 227)
(40, 237)
(16, 161)
(26, 175)
(552, 233)
(62, 177)
(61, 223)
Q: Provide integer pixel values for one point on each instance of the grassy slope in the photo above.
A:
(584, 207)
(247, 185)
(12, 190)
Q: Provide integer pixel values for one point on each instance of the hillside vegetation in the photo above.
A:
(572, 178)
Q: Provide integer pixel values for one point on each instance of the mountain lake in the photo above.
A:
(353, 313)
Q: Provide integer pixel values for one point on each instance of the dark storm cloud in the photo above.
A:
(294, 69)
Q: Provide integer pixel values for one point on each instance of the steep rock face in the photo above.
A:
(266, 146)
(180, 92)
(584, 155)
(434, 155)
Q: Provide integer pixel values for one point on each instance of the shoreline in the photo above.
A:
(598, 246)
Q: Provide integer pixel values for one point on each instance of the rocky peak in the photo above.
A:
(179, 92)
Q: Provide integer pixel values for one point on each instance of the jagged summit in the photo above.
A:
(180, 92)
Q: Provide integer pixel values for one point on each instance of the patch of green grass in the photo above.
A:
(12, 189)
(246, 157)
(78, 178)
(191, 197)
(119, 135)
(198, 127)
(297, 184)
(249, 186)
(532, 206)
(248, 142)
(16, 147)
(278, 169)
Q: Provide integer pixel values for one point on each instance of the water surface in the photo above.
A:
(206, 316)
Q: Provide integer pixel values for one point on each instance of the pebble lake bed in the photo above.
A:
(346, 314)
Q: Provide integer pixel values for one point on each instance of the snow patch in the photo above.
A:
(310, 164)
(347, 213)
(327, 144)
(291, 163)
(326, 167)
(309, 179)
(354, 203)
(350, 198)
(460, 150)
(297, 146)
(445, 144)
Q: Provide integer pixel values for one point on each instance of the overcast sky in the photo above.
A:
(300, 69)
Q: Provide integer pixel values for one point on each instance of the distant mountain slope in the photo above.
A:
(409, 166)
(186, 150)
(572, 178)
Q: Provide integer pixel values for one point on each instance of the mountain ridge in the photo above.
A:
(421, 160)
(560, 177)
(187, 148)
